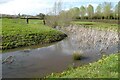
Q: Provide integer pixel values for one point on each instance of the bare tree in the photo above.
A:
(115, 12)
(119, 11)
(65, 18)
(90, 11)
(75, 12)
(58, 17)
(99, 11)
(107, 9)
(52, 18)
(82, 12)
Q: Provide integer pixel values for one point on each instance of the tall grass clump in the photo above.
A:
(77, 56)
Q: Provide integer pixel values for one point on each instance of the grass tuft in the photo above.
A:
(77, 56)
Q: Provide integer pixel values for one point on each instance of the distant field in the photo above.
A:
(16, 33)
(98, 25)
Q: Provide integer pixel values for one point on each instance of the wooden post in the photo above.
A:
(27, 20)
(44, 21)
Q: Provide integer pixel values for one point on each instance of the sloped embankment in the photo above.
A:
(15, 34)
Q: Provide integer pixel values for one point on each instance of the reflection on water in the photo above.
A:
(57, 57)
(88, 40)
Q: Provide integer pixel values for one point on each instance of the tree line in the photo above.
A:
(103, 11)
(60, 17)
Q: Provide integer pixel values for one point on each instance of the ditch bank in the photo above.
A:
(92, 44)
(20, 40)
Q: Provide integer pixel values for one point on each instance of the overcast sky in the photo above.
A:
(33, 7)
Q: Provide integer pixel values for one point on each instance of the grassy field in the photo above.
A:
(16, 33)
(107, 67)
(98, 25)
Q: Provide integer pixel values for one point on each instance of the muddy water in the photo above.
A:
(57, 57)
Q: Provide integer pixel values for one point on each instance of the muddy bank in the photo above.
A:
(92, 39)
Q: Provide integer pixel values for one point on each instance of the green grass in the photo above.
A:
(98, 25)
(107, 67)
(16, 33)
